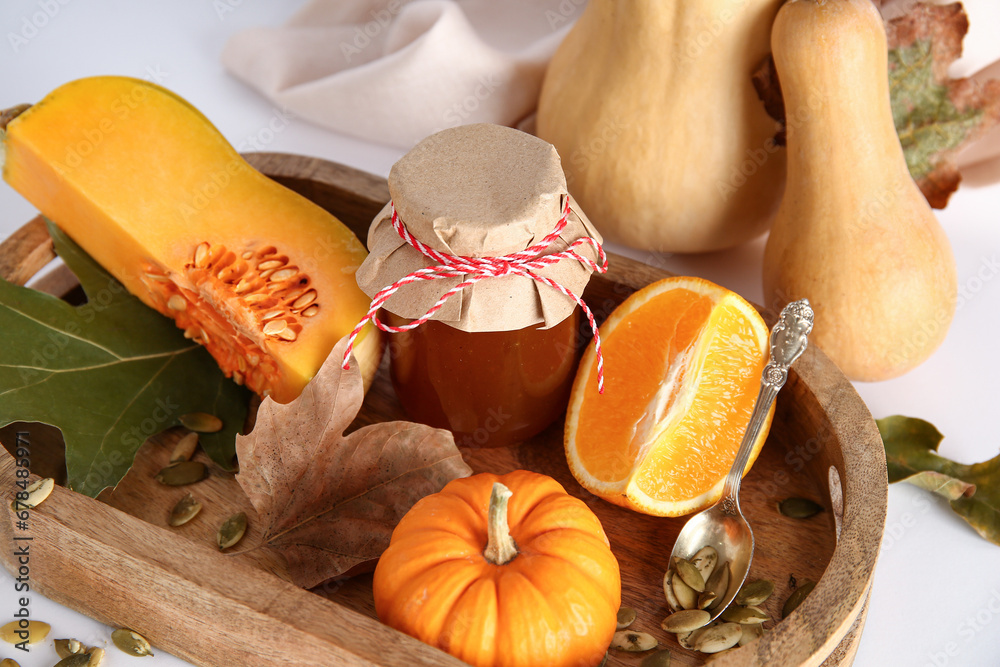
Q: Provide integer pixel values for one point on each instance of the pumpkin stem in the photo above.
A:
(500, 549)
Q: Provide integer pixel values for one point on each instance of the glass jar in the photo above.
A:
(483, 254)
(490, 388)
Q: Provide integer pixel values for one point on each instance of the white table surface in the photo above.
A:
(936, 598)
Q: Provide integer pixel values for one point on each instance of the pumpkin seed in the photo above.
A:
(718, 583)
(686, 620)
(232, 530)
(184, 449)
(37, 492)
(689, 574)
(16, 632)
(626, 617)
(716, 638)
(182, 473)
(131, 642)
(96, 657)
(304, 300)
(668, 591)
(68, 647)
(287, 334)
(796, 598)
(186, 509)
(9, 662)
(705, 560)
(275, 327)
(310, 311)
(284, 274)
(686, 596)
(755, 592)
(684, 639)
(799, 508)
(743, 615)
(201, 422)
(201, 255)
(706, 599)
(658, 659)
(750, 633)
(75, 660)
(634, 642)
(270, 264)
(176, 302)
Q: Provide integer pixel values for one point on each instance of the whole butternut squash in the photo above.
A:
(663, 139)
(853, 232)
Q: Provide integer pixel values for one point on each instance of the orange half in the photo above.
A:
(682, 365)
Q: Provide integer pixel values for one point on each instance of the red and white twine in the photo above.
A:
(522, 263)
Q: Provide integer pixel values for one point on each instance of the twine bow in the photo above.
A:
(522, 263)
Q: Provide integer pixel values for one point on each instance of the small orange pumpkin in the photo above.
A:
(502, 571)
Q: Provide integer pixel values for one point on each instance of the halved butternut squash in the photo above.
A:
(144, 182)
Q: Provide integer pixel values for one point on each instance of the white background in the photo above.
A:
(937, 587)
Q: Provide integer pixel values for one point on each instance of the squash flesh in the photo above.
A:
(140, 179)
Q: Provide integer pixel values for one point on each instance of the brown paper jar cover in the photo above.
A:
(478, 190)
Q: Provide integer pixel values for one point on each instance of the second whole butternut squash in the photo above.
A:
(853, 233)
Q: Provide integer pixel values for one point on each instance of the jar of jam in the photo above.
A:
(477, 264)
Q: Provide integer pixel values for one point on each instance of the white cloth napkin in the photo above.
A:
(395, 71)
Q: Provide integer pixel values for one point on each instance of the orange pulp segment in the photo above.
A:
(683, 359)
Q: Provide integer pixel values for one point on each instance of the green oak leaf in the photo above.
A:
(973, 490)
(108, 373)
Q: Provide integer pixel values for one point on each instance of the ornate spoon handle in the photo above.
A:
(788, 342)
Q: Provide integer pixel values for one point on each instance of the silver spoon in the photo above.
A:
(722, 526)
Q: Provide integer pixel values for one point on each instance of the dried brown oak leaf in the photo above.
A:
(935, 116)
(329, 501)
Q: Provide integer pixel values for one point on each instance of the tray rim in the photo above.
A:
(839, 600)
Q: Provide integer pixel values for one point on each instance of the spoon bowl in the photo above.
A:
(723, 526)
(731, 537)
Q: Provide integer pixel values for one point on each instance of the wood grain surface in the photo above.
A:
(117, 560)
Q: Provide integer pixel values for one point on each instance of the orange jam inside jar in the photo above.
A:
(489, 388)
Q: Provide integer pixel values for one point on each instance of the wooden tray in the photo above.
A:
(115, 559)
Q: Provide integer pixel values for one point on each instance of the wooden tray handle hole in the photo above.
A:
(836, 499)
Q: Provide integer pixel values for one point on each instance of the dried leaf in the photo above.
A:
(765, 82)
(108, 374)
(973, 490)
(330, 501)
(935, 116)
(941, 484)
(979, 162)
